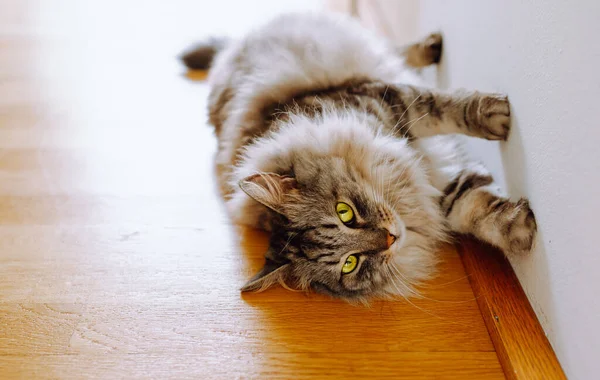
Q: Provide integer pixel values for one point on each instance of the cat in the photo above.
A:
(326, 141)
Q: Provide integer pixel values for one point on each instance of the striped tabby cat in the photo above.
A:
(358, 174)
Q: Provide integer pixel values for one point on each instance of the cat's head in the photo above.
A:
(351, 214)
(332, 234)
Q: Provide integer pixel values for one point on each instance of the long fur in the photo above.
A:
(298, 131)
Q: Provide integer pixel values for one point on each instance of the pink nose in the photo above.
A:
(390, 239)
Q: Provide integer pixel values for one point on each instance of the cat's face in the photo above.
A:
(336, 232)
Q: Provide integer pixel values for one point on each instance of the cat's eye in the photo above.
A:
(345, 212)
(350, 264)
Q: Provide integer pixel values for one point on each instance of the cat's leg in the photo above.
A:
(473, 203)
(423, 53)
(421, 112)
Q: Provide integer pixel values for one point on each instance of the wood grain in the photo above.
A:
(116, 258)
(522, 346)
(360, 365)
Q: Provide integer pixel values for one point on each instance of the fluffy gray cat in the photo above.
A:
(325, 141)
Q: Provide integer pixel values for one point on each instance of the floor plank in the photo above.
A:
(116, 258)
(415, 365)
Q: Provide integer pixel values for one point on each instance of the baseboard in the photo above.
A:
(520, 342)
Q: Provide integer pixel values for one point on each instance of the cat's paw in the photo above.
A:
(424, 53)
(433, 47)
(493, 116)
(518, 227)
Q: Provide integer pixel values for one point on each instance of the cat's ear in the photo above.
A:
(271, 274)
(270, 189)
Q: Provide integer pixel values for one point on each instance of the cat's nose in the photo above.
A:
(390, 239)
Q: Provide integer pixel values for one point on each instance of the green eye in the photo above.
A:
(345, 212)
(350, 264)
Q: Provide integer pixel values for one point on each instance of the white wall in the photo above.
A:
(546, 56)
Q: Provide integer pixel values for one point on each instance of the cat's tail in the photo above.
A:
(201, 55)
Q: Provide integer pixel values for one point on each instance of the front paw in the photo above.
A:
(493, 116)
(518, 227)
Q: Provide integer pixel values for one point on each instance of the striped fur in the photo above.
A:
(312, 110)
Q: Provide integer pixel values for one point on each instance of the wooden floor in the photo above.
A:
(116, 259)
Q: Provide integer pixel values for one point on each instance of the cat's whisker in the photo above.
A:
(292, 235)
(413, 122)
(387, 189)
(401, 192)
(410, 105)
(437, 286)
(372, 189)
(381, 182)
(428, 312)
(420, 295)
(383, 97)
(393, 282)
(403, 113)
(409, 301)
(403, 280)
